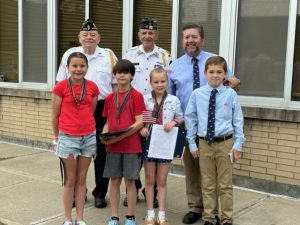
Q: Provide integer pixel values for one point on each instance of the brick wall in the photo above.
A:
(25, 119)
(271, 151)
(270, 160)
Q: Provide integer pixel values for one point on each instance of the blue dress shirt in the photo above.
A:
(180, 76)
(228, 118)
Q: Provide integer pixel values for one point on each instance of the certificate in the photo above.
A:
(162, 143)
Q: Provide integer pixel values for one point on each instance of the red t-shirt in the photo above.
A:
(73, 121)
(134, 107)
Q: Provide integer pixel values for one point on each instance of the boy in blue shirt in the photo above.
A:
(214, 115)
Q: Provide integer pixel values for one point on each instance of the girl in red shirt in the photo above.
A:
(73, 104)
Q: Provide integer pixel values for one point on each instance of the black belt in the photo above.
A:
(218, 139)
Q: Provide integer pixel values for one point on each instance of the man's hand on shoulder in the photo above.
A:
(234, 83)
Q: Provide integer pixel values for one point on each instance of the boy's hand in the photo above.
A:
(110, 140)
(104, 139)
(236, 154)
(169, 125)
(144, 132)
(196, 154)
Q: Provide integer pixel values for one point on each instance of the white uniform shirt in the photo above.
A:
(171, 108)
(146, 62)
(99, 70)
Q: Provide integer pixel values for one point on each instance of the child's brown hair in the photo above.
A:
(216, 60)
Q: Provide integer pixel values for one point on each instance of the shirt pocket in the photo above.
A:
(105, 69)
(169, 111)
(226, 111)
(104, 74)
(138, 68)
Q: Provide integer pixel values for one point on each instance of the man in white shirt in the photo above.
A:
(101, 62)
(146, 57)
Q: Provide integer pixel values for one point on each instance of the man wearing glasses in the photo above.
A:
(100, 64)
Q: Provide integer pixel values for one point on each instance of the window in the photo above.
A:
(261, 47)
(31, 41)
(9, 41)
(296, 67)
(72, 15)
(206, 13)
(108, 17)
(159, 10)
(35, 41)
(70, 19)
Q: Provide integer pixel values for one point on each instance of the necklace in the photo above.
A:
(83, 91)
(123, 103)
(158, 107)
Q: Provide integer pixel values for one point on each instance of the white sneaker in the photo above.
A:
(80, 222)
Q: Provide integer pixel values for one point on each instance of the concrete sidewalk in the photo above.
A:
(30, 194)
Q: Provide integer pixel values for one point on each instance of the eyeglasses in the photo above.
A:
(86, 34)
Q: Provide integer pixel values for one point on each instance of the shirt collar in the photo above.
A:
(199, 56)
(142, 51)
(150, 98)
(220, 88)
(98, 52)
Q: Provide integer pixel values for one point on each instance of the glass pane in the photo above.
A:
(296, 69)
(110, 27)
(9, 41)
(70, 19)
(261, 47)
(206, 13)
(159, 10)
(35, 41)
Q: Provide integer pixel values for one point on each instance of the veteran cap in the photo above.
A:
(148, 23)
(88, 25)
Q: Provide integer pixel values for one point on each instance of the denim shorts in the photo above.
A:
(76, 145)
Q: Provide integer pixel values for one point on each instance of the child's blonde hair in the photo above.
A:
(157, 70)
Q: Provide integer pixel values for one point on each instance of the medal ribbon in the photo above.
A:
(83, 91)
(123, 103)
(158, 107)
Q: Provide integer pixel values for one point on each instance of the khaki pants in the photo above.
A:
(216, 173)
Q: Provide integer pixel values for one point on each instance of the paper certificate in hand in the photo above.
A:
(162, 143)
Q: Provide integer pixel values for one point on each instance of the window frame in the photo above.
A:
(51, 50)
(228, 31)
(265, 102)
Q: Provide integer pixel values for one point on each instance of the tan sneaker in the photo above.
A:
(163, 222)
(150, 221)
